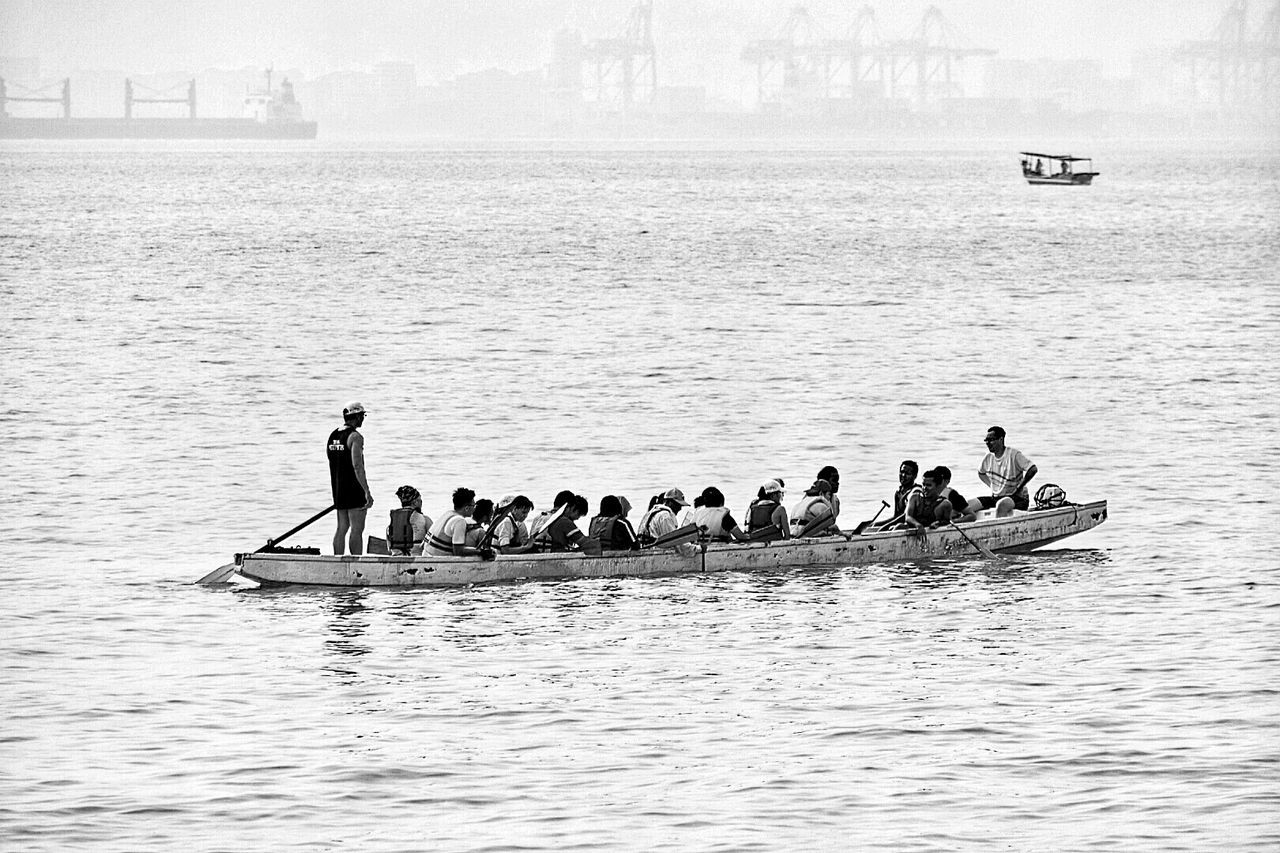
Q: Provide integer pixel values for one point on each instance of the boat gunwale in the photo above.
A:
(981, 528)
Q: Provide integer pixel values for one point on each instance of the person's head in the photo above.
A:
(521, 506)
(931, 483)
(654, 501)
(463, 498)
(562, 498)
(409, 496)
(353, 413)
(578, 507)
(770, 490)
(995, 439)
(819, 487)
(907, 472)
(483, 511)
(610, 505)
(711, 496)
(944, 475)
(832, 476)
(674, 498)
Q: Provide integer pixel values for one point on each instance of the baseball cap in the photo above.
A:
(771, 486)
(675, 495)
(354, 409)
(818, 487)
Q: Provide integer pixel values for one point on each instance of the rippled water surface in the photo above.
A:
(183, 323)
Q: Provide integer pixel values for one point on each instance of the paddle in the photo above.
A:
(679, 536)
(863, 525)
(221, 573)
(983, 550)
(817, 525)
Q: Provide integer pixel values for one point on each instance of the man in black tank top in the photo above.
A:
(351, 495)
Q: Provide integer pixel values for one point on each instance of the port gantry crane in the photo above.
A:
(35, 96)
(801, 63)
(626, 71)
(161, 97)
(1244, 68)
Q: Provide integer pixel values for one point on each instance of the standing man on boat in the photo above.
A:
(1007, 472)
(351, 495)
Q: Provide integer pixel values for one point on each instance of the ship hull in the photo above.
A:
(153, 128)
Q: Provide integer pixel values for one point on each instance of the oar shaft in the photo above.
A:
(271, 543)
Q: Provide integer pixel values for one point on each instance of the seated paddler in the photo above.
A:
(715, 520)
(661, 517)
(481, 519)
(814, 514)
(563, 533)
(611, 528)
(766, 516)
(511, 536)
(408, 528)
(448, 536)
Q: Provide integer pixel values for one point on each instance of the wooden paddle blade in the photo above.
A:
(376, 545)
(222, 574)
(819, 524)
(679, 536)
(767, 533)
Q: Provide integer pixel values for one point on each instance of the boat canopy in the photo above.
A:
(1066, 158)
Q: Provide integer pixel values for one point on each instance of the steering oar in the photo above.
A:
(222, 573)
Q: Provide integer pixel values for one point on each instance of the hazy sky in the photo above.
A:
(698, 41)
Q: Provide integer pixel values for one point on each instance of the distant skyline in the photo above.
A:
(698, 41)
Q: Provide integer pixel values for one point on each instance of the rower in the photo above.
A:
(408, 528)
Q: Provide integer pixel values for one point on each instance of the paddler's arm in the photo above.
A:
(1026, 478)
(585, 543)
(357, 462)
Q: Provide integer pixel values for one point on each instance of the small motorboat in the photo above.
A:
(1057, 169)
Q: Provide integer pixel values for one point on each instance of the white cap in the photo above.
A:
(353, 409)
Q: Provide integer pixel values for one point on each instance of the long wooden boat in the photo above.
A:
(1022, 531)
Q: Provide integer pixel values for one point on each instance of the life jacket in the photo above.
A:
(760, 513)
(645, 534)
(712, 519)
(518, 532)
(602, 529)
(400, 531)
(901, 498)
(808, 509)
(436, 538)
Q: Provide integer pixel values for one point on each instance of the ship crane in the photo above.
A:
(795, 60)
(626, 70)
(34, 96)
(855, 65)
(1243, 68)
(130, 98)
(933, 51)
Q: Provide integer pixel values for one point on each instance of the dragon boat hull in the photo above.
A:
(1022, 531)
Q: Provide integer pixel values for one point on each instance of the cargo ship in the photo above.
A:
(273, 113)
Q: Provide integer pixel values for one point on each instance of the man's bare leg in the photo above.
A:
(344, 522)
(357, 530)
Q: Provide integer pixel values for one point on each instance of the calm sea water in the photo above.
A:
(183, 322)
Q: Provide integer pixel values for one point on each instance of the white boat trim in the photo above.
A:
(1022, 531)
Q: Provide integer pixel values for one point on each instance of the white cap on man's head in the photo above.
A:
(353, 409)
(771, 486)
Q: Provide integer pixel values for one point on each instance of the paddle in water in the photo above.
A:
(222, 573)
(982, 549)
